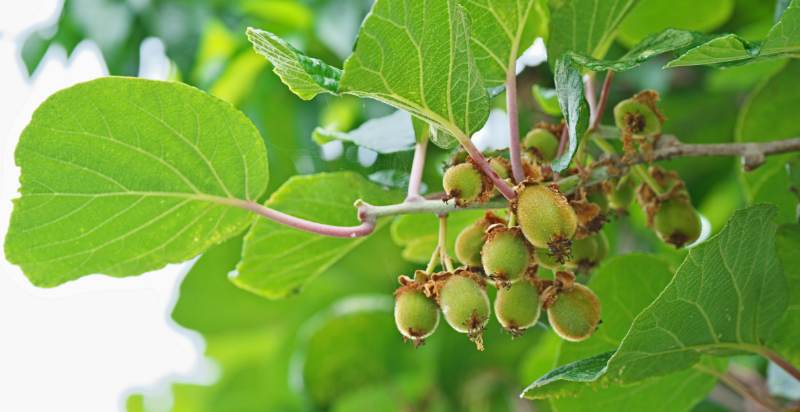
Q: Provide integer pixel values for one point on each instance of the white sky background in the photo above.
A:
(85, 345)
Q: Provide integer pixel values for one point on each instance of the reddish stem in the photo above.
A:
(562, 144)
(477, 157)
(588, 91)
(417, 167)
(784, 364)
(601, 105)
(366, 227)
(515, 152)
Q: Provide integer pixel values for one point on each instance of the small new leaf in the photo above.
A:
(305, 76)
(569, 89)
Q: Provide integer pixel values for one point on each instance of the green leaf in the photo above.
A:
(782, 40)
(726, 298)
(305, 76)
(561, 380)
(666, 41)
(569, 89)
(786, 336)
(416, 56)
(625, 290)
(547, 99)
(501, 31)
(349, 327)
(698, 49)
(122, 176)
(279, 260)
(652, 16)
(388, 134)
(585, 26)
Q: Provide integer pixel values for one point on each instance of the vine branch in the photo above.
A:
(515, 152)
(668, 148)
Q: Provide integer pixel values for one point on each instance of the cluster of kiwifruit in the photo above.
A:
(544, 229)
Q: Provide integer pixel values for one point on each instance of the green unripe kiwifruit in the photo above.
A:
(471, 239)
(463, 182)
(677, 222)
(546, 218)
(588, 252)
(543, 143)
(636, 118)
(517, 307)
(575, 313)
(415, 315)
(505, 255)
(500, 166)
(465, 304)
(622, 193)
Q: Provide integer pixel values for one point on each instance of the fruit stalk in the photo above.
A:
(368, 214)
(597, 116)
(505, 189)
(515, 152)
(417, 167)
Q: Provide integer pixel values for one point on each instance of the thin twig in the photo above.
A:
(562, 144)
(740, 388)
(417, 167)
(477, 157)
(669, 148)
(447, 263)
(784, 364)
(515, 152)
(589, 93)
(601, 105)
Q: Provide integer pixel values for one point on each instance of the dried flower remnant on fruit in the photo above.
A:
(415, 314)
(638, 118)
(506, 254)
(471, 239)
(588, 252)
(464, 303)
(546, 218)
(518, 307)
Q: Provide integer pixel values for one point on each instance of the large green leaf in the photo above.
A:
(585, 26)
(416, 56)
(786, 338)
(279, 260)
(122, 176)
(501, 31)
(783, 40)
(694, 48)
(726, 298)
(305, 76)
(625, 289)
(652, 16)
(569, 89)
